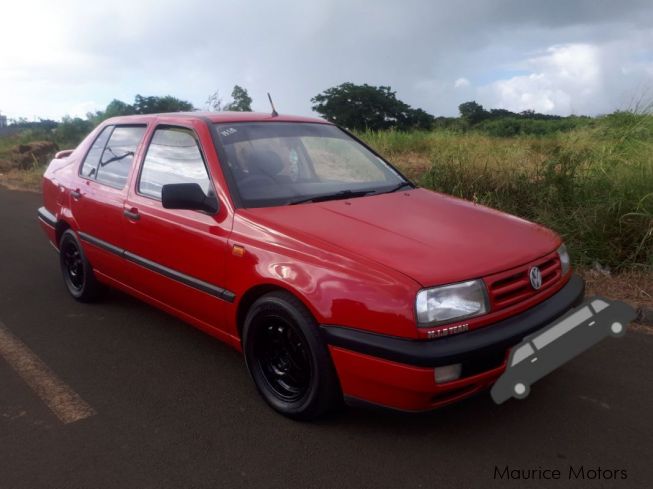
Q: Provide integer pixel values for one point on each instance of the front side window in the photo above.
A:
(280, 163)
(118, 155)
(173, 156)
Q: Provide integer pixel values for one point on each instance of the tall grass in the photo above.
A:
(593, 185)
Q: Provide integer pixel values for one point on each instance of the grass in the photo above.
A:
(23, 179)
(593, 185)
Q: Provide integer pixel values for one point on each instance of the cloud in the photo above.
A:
(572, 78)
(569, 55)
(563, 76)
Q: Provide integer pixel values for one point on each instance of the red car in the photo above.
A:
(295, 243)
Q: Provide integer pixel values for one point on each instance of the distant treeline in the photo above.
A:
(71, 130)
(504, 123)
(356, 107)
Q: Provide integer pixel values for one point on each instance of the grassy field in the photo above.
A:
(593, 185)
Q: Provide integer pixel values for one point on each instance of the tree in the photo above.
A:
(420, 119)
(72, 130)
(156, 105)
(472, 113)
(242, 102)
(214, 102)
(118, 107)
(361, 107)
(141, 105)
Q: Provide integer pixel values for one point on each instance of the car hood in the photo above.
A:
(430, 237)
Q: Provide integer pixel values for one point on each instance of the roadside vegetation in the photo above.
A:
(590, 179)
(593, 184)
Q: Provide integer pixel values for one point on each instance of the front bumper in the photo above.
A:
(399, 372)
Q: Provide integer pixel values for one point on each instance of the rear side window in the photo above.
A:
(89, 167)
(118, 155)
(173, 156)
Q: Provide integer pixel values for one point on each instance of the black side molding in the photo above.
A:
(46, 216)
(211, 289)
(196, 283)
(102, 244)
(459, 348)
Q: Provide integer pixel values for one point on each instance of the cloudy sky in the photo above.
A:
(575, 56)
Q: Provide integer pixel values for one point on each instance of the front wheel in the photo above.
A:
(287, 358)
(76, 270)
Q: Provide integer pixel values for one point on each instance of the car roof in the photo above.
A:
(216, 117)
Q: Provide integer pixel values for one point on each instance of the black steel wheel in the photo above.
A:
(281, 354)
(287, 358)
(77, 272)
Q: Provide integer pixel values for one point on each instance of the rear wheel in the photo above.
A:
(287, 359)
(76, 270)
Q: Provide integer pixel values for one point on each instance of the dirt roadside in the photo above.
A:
(634, 288)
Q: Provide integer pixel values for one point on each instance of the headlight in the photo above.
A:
(450, 302)
(565, 263)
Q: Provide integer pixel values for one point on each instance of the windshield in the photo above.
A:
(281, 163)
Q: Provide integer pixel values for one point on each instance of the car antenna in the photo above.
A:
(274, 111)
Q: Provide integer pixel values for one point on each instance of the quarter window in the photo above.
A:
(89, 167)
(118, 155)
(173, 156)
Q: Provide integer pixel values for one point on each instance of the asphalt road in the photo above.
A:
(175, 408)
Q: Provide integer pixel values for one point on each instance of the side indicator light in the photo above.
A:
(238, 250)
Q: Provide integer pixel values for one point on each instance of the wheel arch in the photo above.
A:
(59, 228)
(258, 291)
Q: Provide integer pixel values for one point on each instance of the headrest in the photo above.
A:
(264, 161)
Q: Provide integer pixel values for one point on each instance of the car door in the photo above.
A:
(97, 199)
(177, 257)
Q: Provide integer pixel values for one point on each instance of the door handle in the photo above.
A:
(76, 194)
(132, 214)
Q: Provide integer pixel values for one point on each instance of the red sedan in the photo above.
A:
(295, 243)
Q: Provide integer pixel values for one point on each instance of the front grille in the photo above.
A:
(512, 287)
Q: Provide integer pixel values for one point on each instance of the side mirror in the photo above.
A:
(187, 196)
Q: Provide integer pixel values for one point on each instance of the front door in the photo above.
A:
(177, 257)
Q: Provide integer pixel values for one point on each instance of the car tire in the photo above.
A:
(288, 359)
(77, 272)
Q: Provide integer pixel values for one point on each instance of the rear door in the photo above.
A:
(97, 200)
(177, 256)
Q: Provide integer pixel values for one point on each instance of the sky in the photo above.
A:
(69, 57)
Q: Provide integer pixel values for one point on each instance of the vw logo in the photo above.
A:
(535, 276)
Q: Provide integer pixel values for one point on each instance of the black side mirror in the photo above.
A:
(187, 196)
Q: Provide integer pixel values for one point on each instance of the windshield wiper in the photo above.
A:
(343, 194)
(115, 157)
(397, 187)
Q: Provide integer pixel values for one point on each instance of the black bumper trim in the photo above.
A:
(46, 216)
(459, 348)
